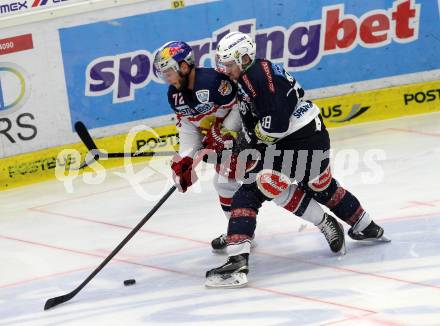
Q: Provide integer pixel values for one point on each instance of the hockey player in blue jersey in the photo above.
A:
(275, 114)
(206, 108)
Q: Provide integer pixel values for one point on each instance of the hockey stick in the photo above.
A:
(96, 154)
(66, 297)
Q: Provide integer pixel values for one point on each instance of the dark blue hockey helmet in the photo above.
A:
(171, 54)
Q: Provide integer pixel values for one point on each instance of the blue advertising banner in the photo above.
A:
(108, 65)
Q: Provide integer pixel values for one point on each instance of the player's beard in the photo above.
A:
(184, 80)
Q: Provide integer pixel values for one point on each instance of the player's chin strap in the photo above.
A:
(247, 65)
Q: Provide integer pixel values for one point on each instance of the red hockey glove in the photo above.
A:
(218, 140)
(183, 174)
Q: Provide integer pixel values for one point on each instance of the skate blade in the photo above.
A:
(227, 281)
(382, 239)
(343, 250)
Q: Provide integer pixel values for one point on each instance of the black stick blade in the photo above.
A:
(141, 154)
(58, 300)
(84, 135)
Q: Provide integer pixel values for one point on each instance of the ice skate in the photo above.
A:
(232, 274)
(334, 234)
(372, 232)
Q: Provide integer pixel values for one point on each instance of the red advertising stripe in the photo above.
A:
(16, 44)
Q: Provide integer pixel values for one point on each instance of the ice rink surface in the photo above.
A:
(51, 240)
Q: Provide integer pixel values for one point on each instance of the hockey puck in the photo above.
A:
(129, 282)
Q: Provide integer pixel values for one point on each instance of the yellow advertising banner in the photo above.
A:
(380, 104)
(40, 166)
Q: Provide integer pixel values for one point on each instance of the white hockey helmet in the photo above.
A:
(232, 47)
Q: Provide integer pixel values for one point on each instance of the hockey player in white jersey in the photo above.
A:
(274, 113)
(205, 104)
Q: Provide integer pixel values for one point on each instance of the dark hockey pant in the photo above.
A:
(303, 157)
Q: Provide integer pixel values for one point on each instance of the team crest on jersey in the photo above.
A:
(225, 88)
(203, 95)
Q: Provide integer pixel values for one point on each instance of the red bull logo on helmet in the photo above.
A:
(170, 52)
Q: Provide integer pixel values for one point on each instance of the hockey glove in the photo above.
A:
(218, 139)
(183, 174)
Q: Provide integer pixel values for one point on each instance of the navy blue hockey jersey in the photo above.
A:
(213, 97)
(273, 99)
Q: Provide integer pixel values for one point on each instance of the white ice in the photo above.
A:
(51, 240)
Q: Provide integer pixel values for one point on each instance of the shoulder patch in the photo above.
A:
(203, 95)
(278, 70)
(225, 88)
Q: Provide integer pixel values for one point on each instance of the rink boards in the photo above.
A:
(46, 164)
(337, 111)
